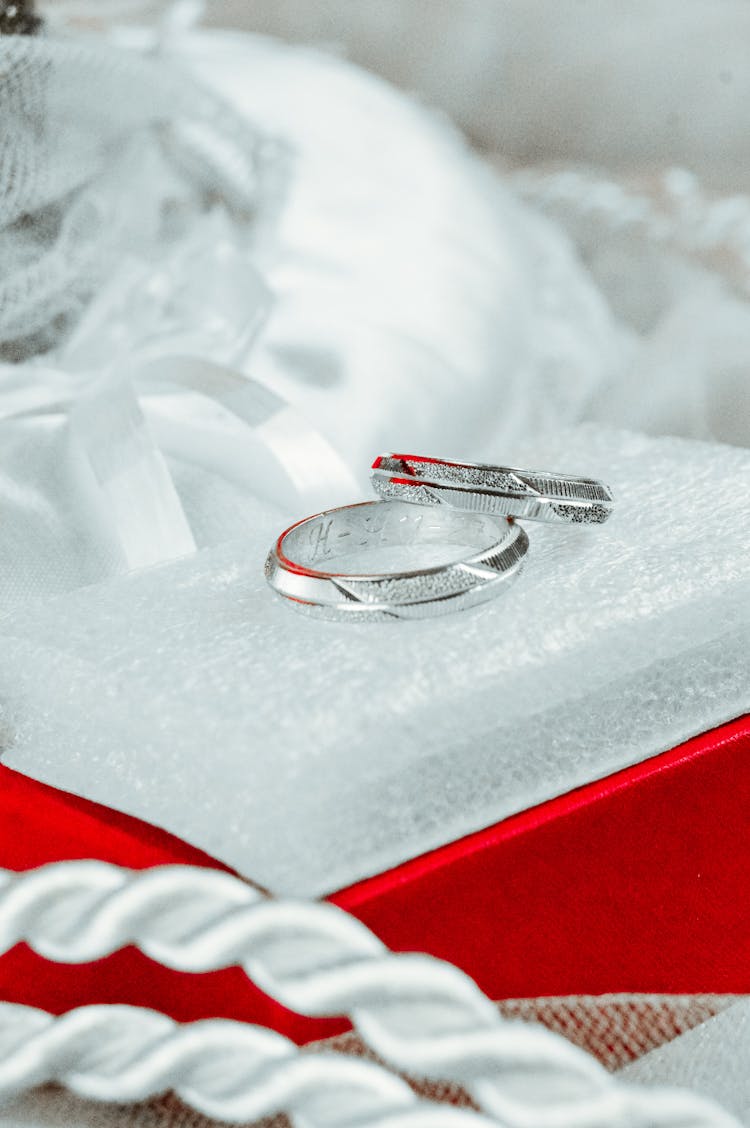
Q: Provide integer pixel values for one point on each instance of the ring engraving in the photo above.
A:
(296, 565)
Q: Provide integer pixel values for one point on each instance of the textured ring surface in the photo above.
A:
(537, 496)
(296, 567)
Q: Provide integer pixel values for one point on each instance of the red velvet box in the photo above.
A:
(636, 882)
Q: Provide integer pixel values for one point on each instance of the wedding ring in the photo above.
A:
(300, 566)
(537, 496)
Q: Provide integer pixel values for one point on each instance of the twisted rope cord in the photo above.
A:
(422, 1016)
(224, 1070)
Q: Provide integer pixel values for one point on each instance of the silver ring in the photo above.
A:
(300, 566)
(537, 496)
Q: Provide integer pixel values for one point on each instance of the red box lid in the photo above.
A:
(633, 883)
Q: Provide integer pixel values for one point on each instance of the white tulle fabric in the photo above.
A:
(214, 321)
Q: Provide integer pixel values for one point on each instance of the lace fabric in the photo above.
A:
(80, 121)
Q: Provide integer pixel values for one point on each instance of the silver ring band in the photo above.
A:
(296, 567)
(501, 490)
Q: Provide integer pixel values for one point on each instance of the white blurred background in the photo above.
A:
(621, 83)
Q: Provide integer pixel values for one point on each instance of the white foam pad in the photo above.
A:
(308, 754)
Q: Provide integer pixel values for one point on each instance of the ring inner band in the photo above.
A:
(354, 529)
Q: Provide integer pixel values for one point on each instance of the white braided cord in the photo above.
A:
(226, 1070)
(422, 1016)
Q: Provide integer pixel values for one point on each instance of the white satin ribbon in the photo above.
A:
(123, 427)
(160, 399)
(129, 484)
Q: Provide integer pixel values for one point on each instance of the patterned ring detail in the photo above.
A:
(534, 495)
